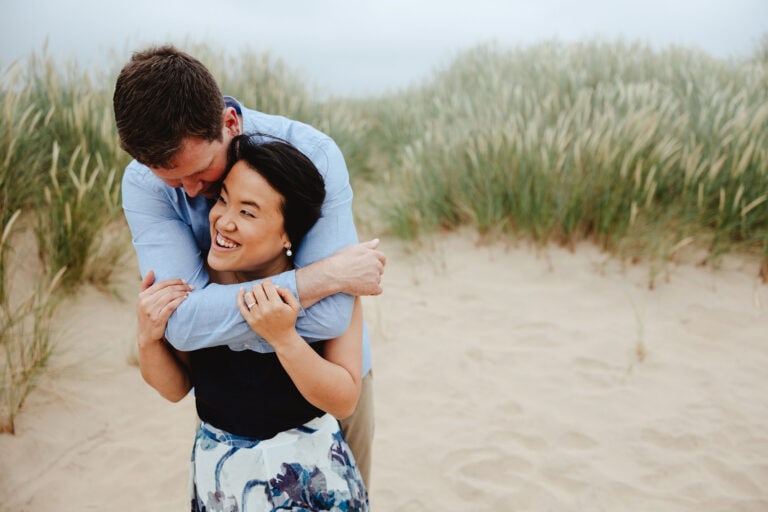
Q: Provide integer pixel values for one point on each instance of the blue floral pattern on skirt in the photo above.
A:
(306, 468)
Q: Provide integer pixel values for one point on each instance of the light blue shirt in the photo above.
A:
(171, 236)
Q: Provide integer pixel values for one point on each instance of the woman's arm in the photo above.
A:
(165, 369)
(331, 382)
(161, 366)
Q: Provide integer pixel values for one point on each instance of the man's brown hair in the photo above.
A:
(163, 96)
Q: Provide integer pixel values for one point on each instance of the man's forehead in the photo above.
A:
(194, 156)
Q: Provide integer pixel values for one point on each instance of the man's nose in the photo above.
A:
(192, 187)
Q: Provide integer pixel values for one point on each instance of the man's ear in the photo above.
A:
(232, 121)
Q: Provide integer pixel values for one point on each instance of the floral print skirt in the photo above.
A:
(306, 468)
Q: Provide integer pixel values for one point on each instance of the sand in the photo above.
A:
(505, 379)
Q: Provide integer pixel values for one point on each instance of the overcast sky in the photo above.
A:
(361, 47)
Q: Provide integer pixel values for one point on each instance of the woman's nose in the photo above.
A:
(225, 222)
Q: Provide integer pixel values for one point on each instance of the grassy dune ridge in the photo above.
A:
(611, 142)
(641, 151)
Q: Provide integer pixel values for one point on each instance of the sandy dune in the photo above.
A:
(506, 379)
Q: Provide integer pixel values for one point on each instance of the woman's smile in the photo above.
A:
(223, 242)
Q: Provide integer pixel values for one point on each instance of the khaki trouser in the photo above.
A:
(358, 429)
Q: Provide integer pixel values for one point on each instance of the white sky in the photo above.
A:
(360, 47)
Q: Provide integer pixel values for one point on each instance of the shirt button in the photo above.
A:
(246, 345)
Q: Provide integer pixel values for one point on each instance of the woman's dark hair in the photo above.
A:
(289, 172)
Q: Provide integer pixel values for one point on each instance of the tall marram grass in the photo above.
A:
(616, 143)
(61, 160)
(58, 179)
(27, 344)
(78, 176)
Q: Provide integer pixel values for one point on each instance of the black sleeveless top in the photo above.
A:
(248, 393)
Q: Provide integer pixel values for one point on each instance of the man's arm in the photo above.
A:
(355, 270)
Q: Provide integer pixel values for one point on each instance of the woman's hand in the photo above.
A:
(161, 366)
(155, 304)
(270, 311)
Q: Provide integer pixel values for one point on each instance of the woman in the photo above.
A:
(269, 437)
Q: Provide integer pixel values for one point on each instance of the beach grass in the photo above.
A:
(614, 143)
(28, 342)
(59, 179)
(639, 150)
(645, 152)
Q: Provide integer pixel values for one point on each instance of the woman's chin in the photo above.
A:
(218, 263)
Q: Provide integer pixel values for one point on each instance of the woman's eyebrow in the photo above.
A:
(246, 202)
(251, 203)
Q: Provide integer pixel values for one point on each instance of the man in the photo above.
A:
(173, 120)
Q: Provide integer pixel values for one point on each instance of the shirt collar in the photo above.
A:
(229, 101)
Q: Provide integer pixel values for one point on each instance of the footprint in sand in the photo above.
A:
(576, 441)
(485, 471)
(736, 480)
(511, 409)
(485, 463)
(598, 372)
(669, 441)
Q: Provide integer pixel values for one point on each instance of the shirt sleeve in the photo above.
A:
(333, 231)
(164, 240)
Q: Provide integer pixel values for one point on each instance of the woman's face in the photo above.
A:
(247, 233)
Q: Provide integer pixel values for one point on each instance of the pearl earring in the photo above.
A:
(288, 252)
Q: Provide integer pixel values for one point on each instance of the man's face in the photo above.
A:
(200, 164)
(197, 167)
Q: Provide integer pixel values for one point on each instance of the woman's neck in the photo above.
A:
(244, 276)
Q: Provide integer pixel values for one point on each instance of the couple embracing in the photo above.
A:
(243, 228)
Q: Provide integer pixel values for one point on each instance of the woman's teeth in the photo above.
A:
(223, 242)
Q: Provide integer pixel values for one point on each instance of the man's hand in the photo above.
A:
(358, 268)
(355, 270)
